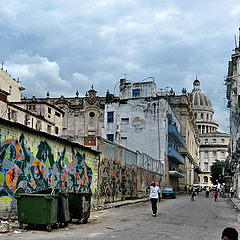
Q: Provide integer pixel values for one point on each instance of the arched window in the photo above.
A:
(201, 116)
(207, 116)
(205, 179)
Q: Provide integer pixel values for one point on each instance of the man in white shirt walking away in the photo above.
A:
(154, 194)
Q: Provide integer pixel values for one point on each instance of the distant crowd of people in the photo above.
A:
(194, 190)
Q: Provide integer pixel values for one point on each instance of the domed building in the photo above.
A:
(213, 144)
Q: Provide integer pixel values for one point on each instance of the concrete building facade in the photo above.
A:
(233, 96)
(142, 121)
(182, 107)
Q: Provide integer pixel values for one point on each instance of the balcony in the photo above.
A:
(177, 173)
(172, 130)
(172, 152)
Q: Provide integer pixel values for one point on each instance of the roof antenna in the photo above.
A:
(196, 76)
(2, 65)
(235, 40)
(239, 37)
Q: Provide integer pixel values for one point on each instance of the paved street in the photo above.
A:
(177, 219)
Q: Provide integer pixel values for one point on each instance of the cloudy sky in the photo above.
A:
(66, 45)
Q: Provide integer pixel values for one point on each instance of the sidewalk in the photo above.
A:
(118, 204)
(236, 202)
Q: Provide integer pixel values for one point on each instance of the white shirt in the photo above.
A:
(154, 192)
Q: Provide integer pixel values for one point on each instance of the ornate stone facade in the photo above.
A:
(213, 144)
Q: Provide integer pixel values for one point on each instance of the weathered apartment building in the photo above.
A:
(42, 116)
(148, 121)
(233, 96)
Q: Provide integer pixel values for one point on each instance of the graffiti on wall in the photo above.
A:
(118, 180)
(21, 167)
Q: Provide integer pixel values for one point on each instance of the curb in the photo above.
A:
(236, 205)
(118, 204)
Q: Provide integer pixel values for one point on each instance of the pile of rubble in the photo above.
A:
(8, 226)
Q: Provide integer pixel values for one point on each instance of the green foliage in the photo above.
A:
(216, 172)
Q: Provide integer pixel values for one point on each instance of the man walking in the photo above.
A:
(154, 194)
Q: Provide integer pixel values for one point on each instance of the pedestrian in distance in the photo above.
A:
(193, 194)
(207, 192)
(232, 191)
(229, 233)
(215, 194)
(190, 190)
(154, 194)
(185, 188)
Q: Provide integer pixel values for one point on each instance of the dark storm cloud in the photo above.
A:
(66, 45)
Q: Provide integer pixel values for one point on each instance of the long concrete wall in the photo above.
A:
(123, 174)
(34, 161)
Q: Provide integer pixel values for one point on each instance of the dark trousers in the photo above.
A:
(154, 205)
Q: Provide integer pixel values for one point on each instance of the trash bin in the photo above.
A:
(37, 208)
(79, 206)
(63, 208)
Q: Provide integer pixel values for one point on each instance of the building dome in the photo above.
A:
(203, 110)
(199, 100)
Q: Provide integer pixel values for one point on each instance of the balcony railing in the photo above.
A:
(172, 130)
(172, 152)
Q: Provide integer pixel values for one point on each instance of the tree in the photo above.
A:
(216, 172)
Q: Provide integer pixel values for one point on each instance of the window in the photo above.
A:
(206, 166)
(125, 121)
(49, 129)
(56, 130)
(110, 117)
(201, 116)
(13, 115)
(222, 140)
(49, 110)
(57, 114)
(205, 140)
(214, 140)
(38, 125)
(214, 153)
(207, 116)
(135, 92)
(10, 89)
(92, 114)
(195, 115)
(110, 137)
(222, 154)
(205, 179)
(205, 154)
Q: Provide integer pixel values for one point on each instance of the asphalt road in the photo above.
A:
(176, 219)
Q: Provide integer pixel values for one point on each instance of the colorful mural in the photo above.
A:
(20, 167)
(118, 181)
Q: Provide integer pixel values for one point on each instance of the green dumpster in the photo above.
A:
(79, 206)
(37, 209)
(63, 209)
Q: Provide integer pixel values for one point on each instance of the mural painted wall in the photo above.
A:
(34, 162)
(120, 181)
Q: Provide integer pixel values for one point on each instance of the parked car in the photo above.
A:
(168, 192)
